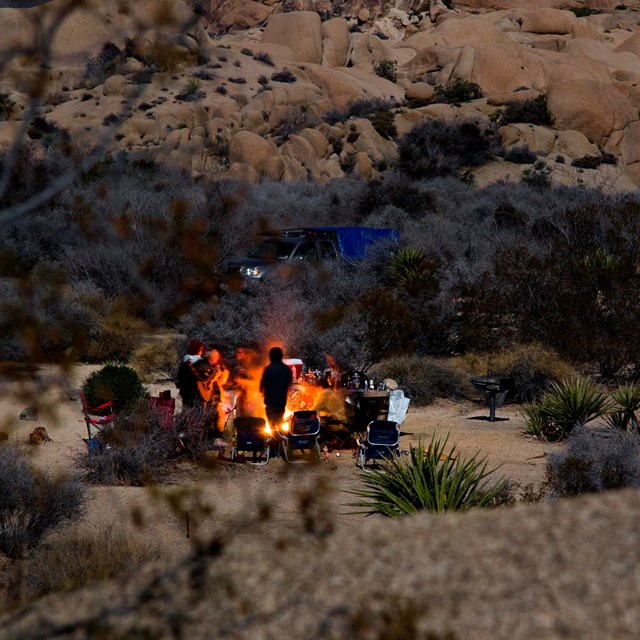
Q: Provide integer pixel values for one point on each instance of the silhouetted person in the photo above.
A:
(187, 382)
(274, 385)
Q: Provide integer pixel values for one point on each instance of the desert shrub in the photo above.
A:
(239, 80)
(423, 379)
(6, 105)
(264, 57)
(593, 462)
(203, 74)
(563, 407)
(191, 91)
(222, 90)
(583, 12)
(387, 69)
(384, 123)
(294, 120)
(134, 450)
(50, 134)
(533, 366)
(359, 108)
(414, 271)
(537, 176)
(80, 557)
(623, 413)
(593, 162)
(116, 383)
(431, 479)
(103, 65)
(115, 336)
(520, 155)
(286, 75)
(457, 91)
(532, 111)
(32, 503)
(156, 360)
(435, 148)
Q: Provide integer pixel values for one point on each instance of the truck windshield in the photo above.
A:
(273, 250)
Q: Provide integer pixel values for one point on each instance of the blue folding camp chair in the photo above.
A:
(299, 443)
(381, 441)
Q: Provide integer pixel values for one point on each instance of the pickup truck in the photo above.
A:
(311, 244)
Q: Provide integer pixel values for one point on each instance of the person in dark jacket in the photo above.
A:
(274, 386)
(188, 377)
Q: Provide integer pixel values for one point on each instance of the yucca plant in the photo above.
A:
(413, 270)
(563, 406)
(428, 479)
(627, 399)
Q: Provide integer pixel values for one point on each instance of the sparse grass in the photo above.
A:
(81, 557)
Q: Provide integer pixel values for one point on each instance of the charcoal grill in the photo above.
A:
(493, 385)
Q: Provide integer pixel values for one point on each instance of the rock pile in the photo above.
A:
(240, 88)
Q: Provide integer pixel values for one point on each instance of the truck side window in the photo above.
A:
(327, 250)
(305, 251)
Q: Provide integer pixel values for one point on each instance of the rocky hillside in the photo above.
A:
(254, 90)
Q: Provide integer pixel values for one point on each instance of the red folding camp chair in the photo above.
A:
(164, 407)
(97, 419)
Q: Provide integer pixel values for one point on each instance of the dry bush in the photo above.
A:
(593, 462)
(156, 360)
(74, 560)
(32, 502)
(423, 379)
(532, 365)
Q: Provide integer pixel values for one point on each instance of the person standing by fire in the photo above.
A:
(274, 386)
(214, 376)
(187, 379)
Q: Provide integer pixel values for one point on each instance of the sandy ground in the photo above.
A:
(231, 491)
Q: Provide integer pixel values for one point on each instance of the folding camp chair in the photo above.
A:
(302, 436)
(382, 441)
(164, 408)
(97, 420)
(251, 437)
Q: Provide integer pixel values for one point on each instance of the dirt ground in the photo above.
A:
(222, 495)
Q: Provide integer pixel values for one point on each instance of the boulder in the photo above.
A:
(366, 49)
(273, 168)
(29, 413)
(630, 45)
(539, 139)
(243, 172)
(574, 144)
(317, 140)
(462, 29)
(342, 86)
(378, 149)
(301, 31)
(593, 108)
(336, 41)
(629, 146)
(362, 166)
(249, 148)
(617, 62)
(546, 21)
(242, 14)
(420, 91)
(39, 436)
(300, 149)
(114, 86)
